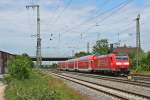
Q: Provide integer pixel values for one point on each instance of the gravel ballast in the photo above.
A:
(88, 92)
(92, 94)
(123, 86)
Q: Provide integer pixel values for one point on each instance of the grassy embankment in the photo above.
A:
(40, 87)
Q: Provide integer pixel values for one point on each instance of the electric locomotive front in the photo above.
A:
(121, 64)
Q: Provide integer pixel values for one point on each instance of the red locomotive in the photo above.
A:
(114, 63)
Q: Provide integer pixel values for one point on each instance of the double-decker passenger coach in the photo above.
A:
(112, 63)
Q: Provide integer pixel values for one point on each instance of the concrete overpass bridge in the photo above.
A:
(52, 58)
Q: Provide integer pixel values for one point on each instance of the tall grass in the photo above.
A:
(40, 87)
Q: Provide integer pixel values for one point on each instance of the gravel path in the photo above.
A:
(2, 89)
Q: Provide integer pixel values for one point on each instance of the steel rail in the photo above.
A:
(115, 92)
(132, 82)
(93, 88)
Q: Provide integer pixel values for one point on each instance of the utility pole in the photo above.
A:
(98, 35)
(138, 44)
(88, 47)
(119, 39)
(59, 37)
(38, 47)
(81, 36)
(73, 53)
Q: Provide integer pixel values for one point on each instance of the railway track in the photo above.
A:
(115, 92)
(115, 79)
(141, 77)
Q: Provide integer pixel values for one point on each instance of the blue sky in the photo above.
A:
(67, 20)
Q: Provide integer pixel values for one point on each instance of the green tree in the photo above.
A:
(132, 60)
(144, 62)
(29, 58)
(148, 55)
(80, 54)
(20, 67)
(101, 47)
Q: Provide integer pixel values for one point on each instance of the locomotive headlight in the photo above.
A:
(126, 63)
(118, 63)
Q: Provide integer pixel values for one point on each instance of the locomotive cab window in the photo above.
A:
(121, 57)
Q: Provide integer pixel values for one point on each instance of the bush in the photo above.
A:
(144, 63)
(20, 67)
(30, 60)
(7, 78)
(40, 86)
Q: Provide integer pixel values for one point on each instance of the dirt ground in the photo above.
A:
(2, 89)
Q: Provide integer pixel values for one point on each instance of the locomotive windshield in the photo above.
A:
(121, 57)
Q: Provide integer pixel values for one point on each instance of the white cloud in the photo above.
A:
(18, 24)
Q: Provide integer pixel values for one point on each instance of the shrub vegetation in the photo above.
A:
(25, 83)
(144, 62)
(20, 67)
(40, 87)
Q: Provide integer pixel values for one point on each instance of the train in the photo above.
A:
(111, 63)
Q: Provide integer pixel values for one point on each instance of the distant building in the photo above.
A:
(4, 58)
(124, 50)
